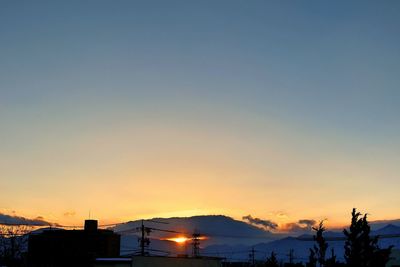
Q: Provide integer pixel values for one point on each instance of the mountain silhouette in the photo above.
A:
(233, 239)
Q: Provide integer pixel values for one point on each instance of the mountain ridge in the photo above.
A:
(225, 234)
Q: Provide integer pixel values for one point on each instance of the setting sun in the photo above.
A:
(179, 240)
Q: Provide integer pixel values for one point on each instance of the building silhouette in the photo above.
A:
(59, 248)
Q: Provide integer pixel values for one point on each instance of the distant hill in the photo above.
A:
(218, 229)
(382, 223)
(214, 226)
(234, 239)
(300, 248)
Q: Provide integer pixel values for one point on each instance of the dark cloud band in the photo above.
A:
(18, 220)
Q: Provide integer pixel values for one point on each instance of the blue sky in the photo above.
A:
(267, 97)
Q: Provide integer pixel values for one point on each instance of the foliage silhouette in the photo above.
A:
(312, 259)
(321, 246)
(272, 261)
(12, 244)
(361, 250)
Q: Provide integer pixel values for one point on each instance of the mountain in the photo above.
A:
(217, 229)
(382, 223)
(209, 225)
(387, 230)
(300, 246)
(234, 239)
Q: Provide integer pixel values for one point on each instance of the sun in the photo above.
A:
(179, 239)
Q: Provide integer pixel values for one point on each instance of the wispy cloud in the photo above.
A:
(266, 224)
(282, 215)
(69, 213)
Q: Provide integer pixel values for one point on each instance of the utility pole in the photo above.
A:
(142, 240)
(196, 244)
(252, 258)
(291, 256)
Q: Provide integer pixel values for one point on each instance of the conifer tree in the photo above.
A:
(361, 250)
(321, 246)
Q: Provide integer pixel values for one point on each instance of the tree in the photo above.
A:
(361, 250)
(312, 259)
(272, 261)
(321, 246)
(331, 262)
(12, 243)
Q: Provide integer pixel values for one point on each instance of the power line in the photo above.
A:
(144, 239)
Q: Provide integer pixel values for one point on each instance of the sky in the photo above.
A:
(284, 110)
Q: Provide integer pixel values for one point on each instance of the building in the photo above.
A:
(59, 248)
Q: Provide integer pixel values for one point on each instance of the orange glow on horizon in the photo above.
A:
(179, 239)
(183, 239)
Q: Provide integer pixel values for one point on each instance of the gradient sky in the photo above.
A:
(284, 110)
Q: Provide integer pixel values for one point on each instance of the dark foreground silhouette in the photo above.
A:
(360, 249)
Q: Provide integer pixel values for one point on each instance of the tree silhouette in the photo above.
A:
(272, 261)
(360, 249)
(321, 246)
(12, 244)
(312, 259)
(331, 262)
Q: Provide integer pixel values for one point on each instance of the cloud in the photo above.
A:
(266, 224)
(303, 225)
(69, 213)
(307, 222)
(282, 215)
(18, 220)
